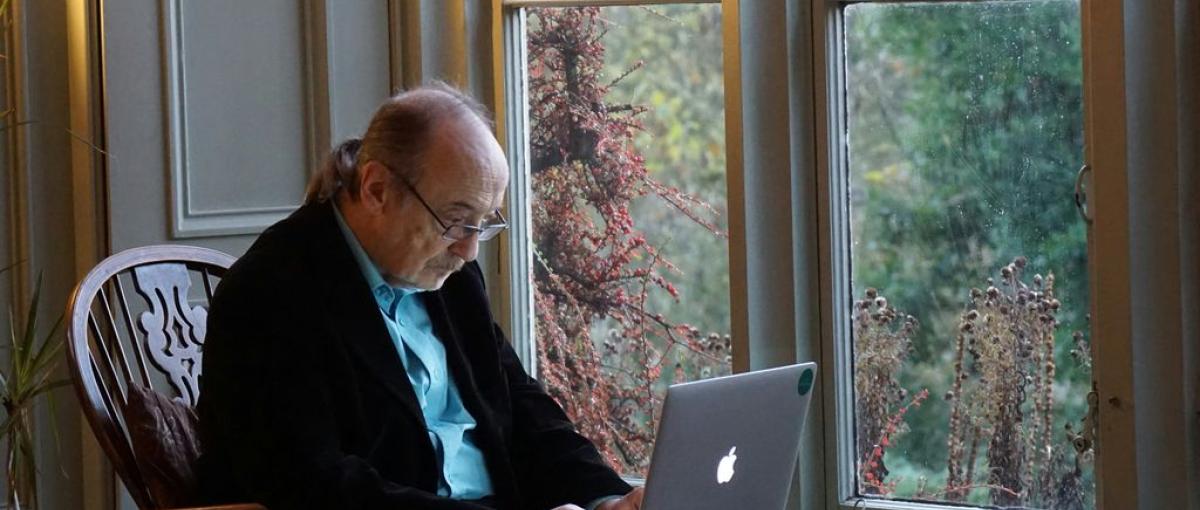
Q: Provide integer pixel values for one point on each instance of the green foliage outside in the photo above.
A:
(965, 132)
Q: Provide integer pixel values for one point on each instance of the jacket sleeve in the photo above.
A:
(265, 407)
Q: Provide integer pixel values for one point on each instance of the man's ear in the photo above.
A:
(374, 179)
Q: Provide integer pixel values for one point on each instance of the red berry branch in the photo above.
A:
(602, 350)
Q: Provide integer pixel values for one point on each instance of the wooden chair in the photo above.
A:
(121, 346)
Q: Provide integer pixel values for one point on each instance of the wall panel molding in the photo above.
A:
(190, 215)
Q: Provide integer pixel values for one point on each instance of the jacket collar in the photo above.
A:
(353, 306)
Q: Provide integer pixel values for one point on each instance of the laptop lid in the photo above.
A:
(730, 442)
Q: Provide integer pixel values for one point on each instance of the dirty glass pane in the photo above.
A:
(627, 163)
(969, 271)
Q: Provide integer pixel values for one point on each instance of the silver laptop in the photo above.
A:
(731, 442)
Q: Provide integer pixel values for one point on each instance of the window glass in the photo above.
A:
(627, 168)
(968, 258)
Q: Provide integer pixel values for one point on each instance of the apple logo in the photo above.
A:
(725, 467)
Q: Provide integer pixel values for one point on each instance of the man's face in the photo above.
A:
(464, 179)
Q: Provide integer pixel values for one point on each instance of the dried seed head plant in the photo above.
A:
(1001, 396)
(882, 341)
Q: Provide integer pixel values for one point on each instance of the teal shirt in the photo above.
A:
(450, 425)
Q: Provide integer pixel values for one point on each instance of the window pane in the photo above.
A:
(627, 162)
(964, 130)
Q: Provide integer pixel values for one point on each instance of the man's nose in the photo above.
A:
(466, 248)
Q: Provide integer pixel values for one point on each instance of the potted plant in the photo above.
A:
(29, 374)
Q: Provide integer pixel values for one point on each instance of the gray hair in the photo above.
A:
(397, 136)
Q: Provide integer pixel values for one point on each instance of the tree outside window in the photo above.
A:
(627, 170)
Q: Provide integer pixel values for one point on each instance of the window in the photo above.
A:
(624, 170)
(967, 259)
(796, 274)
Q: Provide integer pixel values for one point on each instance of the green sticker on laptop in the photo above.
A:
(806, 382)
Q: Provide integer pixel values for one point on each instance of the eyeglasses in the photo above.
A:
(457, 232)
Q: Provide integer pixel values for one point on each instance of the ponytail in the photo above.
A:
(340, 170)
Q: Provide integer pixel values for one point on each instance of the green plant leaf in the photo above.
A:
(29, 333)
(47, 354)
(14, 366)
(48, 386)
(30, 337)
(62, 466)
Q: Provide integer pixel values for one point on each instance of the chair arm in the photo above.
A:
(236, 506)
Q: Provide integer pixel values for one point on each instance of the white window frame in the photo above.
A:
(1108, 248)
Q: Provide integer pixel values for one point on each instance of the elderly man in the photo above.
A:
(351, 359)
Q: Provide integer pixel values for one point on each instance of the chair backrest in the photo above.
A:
(118, 343)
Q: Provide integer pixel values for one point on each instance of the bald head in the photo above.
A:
(399, 135)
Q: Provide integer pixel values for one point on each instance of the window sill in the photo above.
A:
(890, 504)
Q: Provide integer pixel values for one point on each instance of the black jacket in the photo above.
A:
(305, 403)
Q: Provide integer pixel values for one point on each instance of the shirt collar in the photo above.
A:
(387, 296)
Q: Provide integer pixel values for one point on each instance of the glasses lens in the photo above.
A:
(460, 232)
(457, 233)
(491, 231)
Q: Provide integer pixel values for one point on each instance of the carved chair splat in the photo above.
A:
(152, 339)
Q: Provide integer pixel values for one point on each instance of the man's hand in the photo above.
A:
(631, 501)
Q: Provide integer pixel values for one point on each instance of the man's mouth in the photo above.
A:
(447, 269)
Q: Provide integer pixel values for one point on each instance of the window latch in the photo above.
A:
(1086, 438)
(1082, 204)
